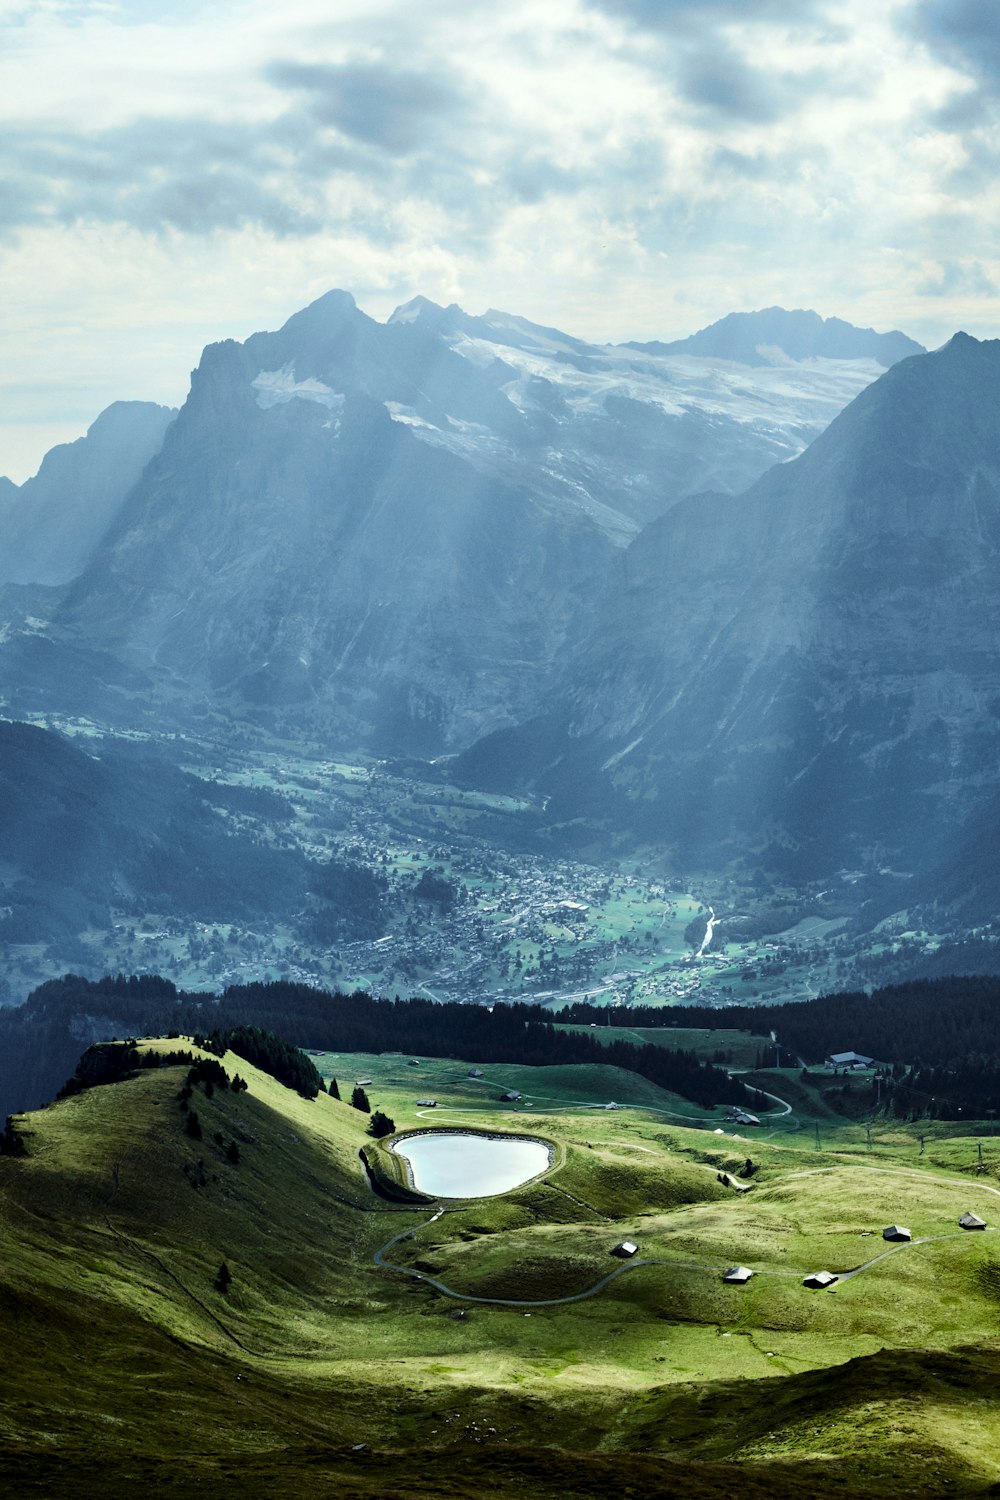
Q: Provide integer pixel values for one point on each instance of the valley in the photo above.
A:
(500, 751)
(466, 895)
(405, 665)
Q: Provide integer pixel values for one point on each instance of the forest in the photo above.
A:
(41, 1040)
(937, 1040)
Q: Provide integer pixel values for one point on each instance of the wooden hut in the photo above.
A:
(896, 1232)
(626, 1249)
(972, 1221)
(738, 1275)
(820, 1279)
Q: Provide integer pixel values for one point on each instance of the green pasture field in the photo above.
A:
(114, 1225)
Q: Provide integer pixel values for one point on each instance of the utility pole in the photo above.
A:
(819, 1145)
(868, 1136)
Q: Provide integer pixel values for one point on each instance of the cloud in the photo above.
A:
(968, 277)
(735, 62)
(676, 17)
(965, 32)
(378, 105)
(739, 164)
(716, 78)
(198, 176)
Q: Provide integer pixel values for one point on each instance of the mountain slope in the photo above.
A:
(52, 523)
(805, 676)
(637, 426)
(314, 1367)
(82, 833)
(295, 547)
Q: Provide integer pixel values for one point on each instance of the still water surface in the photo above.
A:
(449, 1164)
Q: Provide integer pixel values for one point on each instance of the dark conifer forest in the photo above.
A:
(937, 1042)
(41, 1040)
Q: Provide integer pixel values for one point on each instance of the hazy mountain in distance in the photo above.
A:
(805, 676)
(298, 546)
(637, 427)
(52, 523)
(385, 531)
(775, 335)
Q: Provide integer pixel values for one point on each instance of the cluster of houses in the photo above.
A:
(741, 1116)
(817, 1280)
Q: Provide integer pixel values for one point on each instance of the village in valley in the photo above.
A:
(469, 901)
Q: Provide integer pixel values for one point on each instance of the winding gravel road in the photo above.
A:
(680, 1265)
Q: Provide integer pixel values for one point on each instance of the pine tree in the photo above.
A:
(360, 1099)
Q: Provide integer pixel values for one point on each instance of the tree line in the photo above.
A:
(938, 1040)
(923, 1021)
(40, 1041)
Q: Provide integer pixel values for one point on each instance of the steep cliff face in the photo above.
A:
(808, 674)
(296, 546)
(52, 524)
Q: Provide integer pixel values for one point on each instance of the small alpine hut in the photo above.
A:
(475, 1072)
(820, 1279)
(427, 1104)
(625, 1250)
(972, 1221)
(511, 1096)
(896, 1232)
(738, 1275)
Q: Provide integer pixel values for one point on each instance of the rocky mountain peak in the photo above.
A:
(777, 334)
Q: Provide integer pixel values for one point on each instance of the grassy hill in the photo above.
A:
(125, 1364)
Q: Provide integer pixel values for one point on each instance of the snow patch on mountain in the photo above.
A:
(274, 387)
(808, 391)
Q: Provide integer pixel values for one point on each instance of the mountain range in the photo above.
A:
(386, 532)
(806, 674)
(477, 537)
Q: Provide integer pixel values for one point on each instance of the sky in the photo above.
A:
(177, 172)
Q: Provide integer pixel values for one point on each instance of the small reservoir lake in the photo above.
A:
(457, 1164)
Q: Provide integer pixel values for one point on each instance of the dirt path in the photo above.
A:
(682, 1265)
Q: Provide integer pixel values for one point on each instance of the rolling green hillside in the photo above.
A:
(457, 1362)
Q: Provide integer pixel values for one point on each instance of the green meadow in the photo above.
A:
(455, 1366)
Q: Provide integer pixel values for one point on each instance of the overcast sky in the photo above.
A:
(178, 172)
